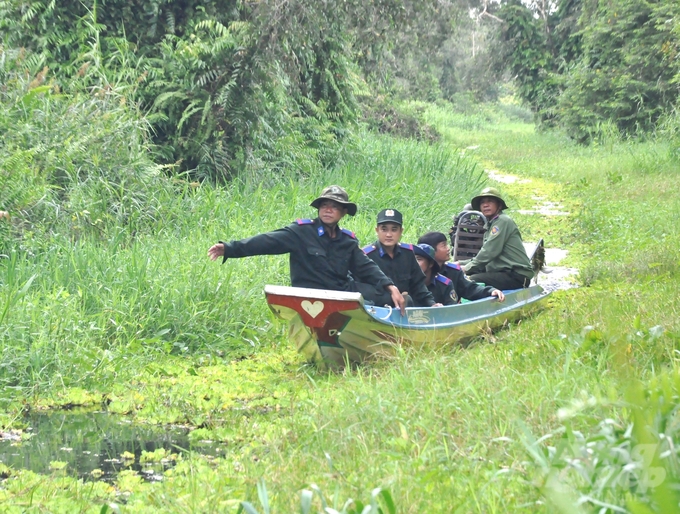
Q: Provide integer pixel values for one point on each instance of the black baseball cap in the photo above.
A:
(390, 216)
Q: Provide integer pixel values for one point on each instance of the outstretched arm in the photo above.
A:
(216, 251)
(276, 242)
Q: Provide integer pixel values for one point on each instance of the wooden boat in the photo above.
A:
(334, 328)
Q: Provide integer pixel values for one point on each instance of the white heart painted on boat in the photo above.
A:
(313, 309)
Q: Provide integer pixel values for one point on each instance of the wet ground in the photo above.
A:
(555, 277)
(95, 445)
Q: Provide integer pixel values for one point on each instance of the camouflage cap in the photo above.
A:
(491, 192)
(428, 252)
(337, 194)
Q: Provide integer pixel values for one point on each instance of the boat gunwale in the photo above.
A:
(372, 314)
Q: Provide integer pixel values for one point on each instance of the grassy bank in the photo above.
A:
(153, 329)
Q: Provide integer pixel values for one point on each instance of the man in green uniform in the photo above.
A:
(397, 261)
(502, 262)
(322, 255)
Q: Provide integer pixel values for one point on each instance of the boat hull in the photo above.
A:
(335, 328)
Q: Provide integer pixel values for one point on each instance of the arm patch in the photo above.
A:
(443, 279)
(348, 232)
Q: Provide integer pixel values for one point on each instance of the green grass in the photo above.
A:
(153, 327)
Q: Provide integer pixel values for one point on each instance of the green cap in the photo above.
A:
(491, 192)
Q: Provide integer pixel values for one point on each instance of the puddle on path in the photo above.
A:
(556, 278)
(87, 441)
(544, 207)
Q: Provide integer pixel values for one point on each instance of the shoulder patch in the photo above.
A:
(406, 246)
(452, 265)
(443, 279)
(349, 233)
(495, 230)
(300, 221)
(368, 249)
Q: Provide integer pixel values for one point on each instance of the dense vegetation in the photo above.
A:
(233, 86)
(144, 323)
(590, 65)
(134, 135)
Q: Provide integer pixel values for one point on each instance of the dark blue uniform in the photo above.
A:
(464, 287)
(317, 261)
(404, 271)
(442, 290)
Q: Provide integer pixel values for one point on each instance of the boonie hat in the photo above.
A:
(337, 194)
(425, 250)
(390, 216)
(489, 191)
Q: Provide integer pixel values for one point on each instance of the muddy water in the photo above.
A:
(88, 441)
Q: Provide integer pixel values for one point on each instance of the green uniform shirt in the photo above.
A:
(502, 250)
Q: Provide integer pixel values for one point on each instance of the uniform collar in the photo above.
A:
(321, 228)
(382, 252)
(489, 222)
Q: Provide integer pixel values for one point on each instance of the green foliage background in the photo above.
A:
(589, 64)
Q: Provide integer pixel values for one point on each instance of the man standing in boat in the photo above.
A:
(322, 255)
(502, 262)
(397, 261)
(462, 286)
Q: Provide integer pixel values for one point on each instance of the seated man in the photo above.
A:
(446, 290)
(397, 261)
(442, 252)
(321, 253)
(502, 262)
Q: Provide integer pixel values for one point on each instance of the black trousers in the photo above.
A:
(503, 280)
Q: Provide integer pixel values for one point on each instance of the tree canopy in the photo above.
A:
(230, 84)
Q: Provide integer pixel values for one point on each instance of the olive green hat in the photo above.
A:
(337, 194)
(488, 191)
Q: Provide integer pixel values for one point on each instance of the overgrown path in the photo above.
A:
(445, 430)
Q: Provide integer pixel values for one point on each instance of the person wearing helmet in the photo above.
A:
(502, 262)
(449, 288)
(322, 255)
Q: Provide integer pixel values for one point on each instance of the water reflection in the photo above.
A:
(88, 441)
